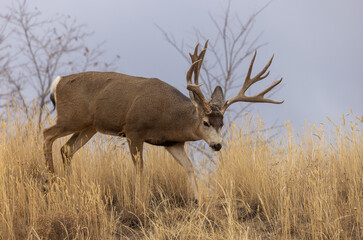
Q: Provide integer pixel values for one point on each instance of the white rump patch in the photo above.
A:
(53, 87)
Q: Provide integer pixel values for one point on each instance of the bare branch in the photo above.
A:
(231, 45)
(171, 40)
(41, 49)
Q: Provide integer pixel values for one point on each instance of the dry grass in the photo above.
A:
(297, 186)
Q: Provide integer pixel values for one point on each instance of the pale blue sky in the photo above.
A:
(318, 46)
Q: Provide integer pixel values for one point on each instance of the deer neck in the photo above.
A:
(192, 120)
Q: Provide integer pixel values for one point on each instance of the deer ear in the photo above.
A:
(196, 101)
(217, 97)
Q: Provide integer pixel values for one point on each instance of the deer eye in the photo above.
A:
(206, 124)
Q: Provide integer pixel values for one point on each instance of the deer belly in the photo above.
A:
(159, 142)
(114, 131)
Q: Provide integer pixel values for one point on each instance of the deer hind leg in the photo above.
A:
(178, 152)
(50, 135)
(136, 155)
(77, 141)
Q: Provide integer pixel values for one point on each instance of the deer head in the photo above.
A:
(211, 112)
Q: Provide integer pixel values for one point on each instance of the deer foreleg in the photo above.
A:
(178, 152)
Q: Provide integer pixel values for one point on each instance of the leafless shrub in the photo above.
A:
(35, 49)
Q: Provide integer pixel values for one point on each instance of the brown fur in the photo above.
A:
(143, 108)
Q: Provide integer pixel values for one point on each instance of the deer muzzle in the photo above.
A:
(216, 146)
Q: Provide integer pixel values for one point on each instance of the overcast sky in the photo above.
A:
(318, 46)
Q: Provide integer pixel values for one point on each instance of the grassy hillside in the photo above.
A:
(306, 185)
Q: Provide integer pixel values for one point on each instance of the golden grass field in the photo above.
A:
(305, 185)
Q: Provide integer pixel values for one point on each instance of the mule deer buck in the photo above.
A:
(142, 110)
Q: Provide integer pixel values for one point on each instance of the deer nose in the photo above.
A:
(216, 147)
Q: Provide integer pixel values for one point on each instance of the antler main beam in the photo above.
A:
(197, 61)
(241, 97)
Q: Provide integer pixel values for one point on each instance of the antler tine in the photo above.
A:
(241, 97)
(190, 72)
(197, 68)
(194, 57)
(249, 81)
(262, 94)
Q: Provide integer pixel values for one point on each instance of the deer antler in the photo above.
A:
(197, 61)
(241, 97)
